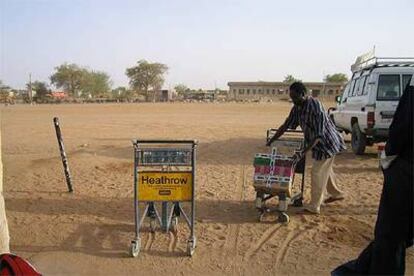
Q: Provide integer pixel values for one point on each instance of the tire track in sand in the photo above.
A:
(266, 236)
(282, 252)
(150, 241)
(173, 241)
(232, 238)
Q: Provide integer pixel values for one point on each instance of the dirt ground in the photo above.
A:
(89, 232)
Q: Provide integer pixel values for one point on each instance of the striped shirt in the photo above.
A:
(315, 123)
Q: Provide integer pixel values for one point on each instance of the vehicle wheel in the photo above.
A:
(258, 202)
(283, 218)
(135, 247)
(260, 216)
(190, 248)
(358, 140)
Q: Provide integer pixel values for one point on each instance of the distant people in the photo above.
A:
(322, 138)
(385, 255)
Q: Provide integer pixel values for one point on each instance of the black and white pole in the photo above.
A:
(63, 154)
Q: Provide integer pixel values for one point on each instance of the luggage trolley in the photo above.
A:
(275, 173)
(164, 174)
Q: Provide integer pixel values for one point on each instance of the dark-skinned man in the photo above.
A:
(322, 138)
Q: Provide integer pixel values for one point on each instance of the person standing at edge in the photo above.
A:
(4, 230)
(321, 137)
(393, 233)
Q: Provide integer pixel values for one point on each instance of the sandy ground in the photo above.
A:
(89, 232)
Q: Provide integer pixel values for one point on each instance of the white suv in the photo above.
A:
(370, 98)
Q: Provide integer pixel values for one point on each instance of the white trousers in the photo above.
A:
(4, 230)
(323, 180)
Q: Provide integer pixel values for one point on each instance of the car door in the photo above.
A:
(339, 116)
(388, 94)
(353, 106)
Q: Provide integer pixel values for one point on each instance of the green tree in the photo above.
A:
(95, 83)
(145, 76)
(122, 93)
(41, 90)
(338, 77)
(181, 89)
(4, 92)
(119, 90)
(290, 79)
(79, 81)
(69, 77)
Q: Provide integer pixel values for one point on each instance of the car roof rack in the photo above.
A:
(362, 64)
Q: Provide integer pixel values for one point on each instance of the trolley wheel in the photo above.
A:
(135, 248)
(261, 215)
(191, 245)
(283, 218)
(298, 202)
(174, 224)
(153, 225)
(259, 202)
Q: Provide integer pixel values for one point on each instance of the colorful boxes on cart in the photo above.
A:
(276, 178)
(283, 165)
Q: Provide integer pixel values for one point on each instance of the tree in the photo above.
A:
(338, 77)
(122, 93)
(79, 81)
(181, 89)
(290, 79)
(40, 88)
(145, 76)
(119, 91)
(69, 77)
(95, 84)
(4, 92)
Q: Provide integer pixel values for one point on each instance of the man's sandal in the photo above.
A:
(333, 199)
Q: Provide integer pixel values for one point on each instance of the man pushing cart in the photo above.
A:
(320, 136)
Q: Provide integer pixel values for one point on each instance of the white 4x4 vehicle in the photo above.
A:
(370, 98)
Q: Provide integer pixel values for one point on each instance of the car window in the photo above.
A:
(406, 80)
(361, 85)
(388, 87)
(366, 85)
(351, 88)
(345, 93)
(355, 87)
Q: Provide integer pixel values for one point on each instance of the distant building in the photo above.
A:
(59, 94)
(200, 95)
(161, 95)
(20, 92)
(262, 90)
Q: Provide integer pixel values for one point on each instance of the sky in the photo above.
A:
(204, 43)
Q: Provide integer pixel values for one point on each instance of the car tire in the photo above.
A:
(358, 140)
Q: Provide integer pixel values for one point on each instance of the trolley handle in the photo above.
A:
(288, 131)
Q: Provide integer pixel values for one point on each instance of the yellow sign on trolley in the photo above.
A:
(165, 186)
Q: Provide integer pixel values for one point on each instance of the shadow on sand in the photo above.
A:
(92, 235)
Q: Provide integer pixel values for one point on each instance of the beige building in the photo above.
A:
(262, 90)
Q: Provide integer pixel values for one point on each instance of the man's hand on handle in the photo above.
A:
(269, 142)
(298, 156)
(279, 132)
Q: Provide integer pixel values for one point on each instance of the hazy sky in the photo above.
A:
(205, 43)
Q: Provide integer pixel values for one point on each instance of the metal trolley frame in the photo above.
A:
(263, 195)
(164, 158)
